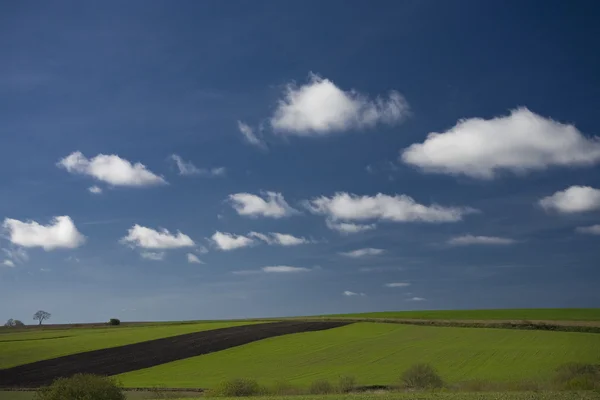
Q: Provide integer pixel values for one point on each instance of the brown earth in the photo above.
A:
(118, 360)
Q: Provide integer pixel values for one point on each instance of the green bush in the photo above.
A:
(346, 384)
(82, 387)
(421, 376)
(114, 321)
(321, 387)
(239, 387)
(283, 388)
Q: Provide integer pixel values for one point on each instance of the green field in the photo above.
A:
(541, 314)
(374, 396)
(377, 353)
(26, 346)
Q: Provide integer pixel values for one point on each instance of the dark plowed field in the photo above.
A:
(118, 360)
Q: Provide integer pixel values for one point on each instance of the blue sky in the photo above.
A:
(314, 157)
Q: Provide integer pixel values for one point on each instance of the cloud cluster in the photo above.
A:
(348, 228)
(574, 199)
(520, 142)
(148, 238)
(319, 108)
(60, 233)
(188, 168)
(229, 241)
(281, 239)
(467, 240)
(359, 253)
(397, 208)
(111, 169)
(272, 205)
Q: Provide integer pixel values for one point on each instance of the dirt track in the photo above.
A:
(118, 360)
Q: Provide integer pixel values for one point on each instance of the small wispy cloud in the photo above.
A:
(250, 136)
(397, 284)
(467, 240)
(350, 293)
(188, 168)
(590, 230)
(153, 255)
(369, 251)
(193, 259)
(416, 299)
(95, 189)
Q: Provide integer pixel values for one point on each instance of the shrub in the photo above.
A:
(346, 384)
(114, 321)
(577, 376)
(421, 376)
(321, 387)
(239, 387)
(283, 388)
(82, 387)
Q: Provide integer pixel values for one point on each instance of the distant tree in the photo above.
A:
(114, 321)
(14, 323)
(41, 316)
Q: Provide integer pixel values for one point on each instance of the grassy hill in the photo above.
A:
(376, 353)
(532, 314)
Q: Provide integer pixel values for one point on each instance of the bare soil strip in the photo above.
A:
(118, 360)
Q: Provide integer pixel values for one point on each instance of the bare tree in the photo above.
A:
(14, 323)
(41, 316)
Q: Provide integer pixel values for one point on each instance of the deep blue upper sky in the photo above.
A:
(334, 93)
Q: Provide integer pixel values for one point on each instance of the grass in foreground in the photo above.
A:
(532, 314)
(23, 347)
(377, 353)
(367, 396)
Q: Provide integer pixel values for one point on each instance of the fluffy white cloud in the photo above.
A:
(281, 239)
(153, 255)
(319, 108)
(573, 200)
(347, 228)
(95, 189)
(416, 299)
(250, 137)
(193, 259)
(398, 208)
(369, 251)
(111, 169)
(60, 233)
(590, 230)
(148, 238)
(8, 263)
(228, 241)
(273, 205)
(187, 168)
(284, 269)
(349, 293)
(397, 284)
(520, 142)
(467, 240)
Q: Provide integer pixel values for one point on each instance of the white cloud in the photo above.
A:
(152, 255)
(95, 189)
(228, 241)
(187, 168)
(281, 239)
(590, 230)
(148, 238)
(573, 200)
(520, 142)
(284, 269)
(397, 208)
(369, 251)
(193, 259)
(349, 293)
(272, 206)
(111, 169)
(397, 284)
(60, 233)
(416, 299)
(319, 108)
(467, 240)
(8, 263)
(250, 137)
(201, 250)
(347, 228)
